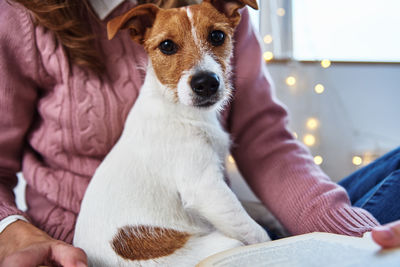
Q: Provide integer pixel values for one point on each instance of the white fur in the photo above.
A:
(185, 94)
(197, 41)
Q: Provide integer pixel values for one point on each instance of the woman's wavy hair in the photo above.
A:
(68, 19)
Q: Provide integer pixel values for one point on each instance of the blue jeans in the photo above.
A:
(376, 187)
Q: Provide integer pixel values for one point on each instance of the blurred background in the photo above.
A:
(336, 66)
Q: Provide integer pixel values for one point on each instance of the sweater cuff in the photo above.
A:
(344, 220)
(9, 220)
(6, 211)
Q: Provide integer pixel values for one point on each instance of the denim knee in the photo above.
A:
(383, 201)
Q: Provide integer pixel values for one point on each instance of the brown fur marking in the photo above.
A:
(146, 242)
(171, 24)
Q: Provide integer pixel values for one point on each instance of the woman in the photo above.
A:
(65, 93)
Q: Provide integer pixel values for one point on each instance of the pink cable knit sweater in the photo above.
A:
(58, 122)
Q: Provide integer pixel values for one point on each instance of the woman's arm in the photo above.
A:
(278, 168)
(21, 244)
(18, 97)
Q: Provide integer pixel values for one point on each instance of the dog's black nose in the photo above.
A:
(205, 84)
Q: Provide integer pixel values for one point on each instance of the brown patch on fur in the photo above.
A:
(172, 24)
(146, 242)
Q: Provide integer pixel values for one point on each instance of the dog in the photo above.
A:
(159, 198)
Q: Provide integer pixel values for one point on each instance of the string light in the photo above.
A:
(290, 80)
(368, 157)
(268, 39)
(268, 56)
(312, 123)
(318, 160)
(326, 63)
(309, 140)
(357, 160)
(281, 12)
(319, 88)
(231, 159)
(295, 135)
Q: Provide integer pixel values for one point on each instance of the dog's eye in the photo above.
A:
(216, 38)
(168, 47)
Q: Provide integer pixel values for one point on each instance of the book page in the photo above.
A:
(309, 250)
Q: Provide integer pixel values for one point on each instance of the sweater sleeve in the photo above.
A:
(17, 97)
(278, 168)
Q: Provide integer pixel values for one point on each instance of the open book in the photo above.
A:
(309, 250)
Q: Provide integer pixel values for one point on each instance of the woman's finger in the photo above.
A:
(68, 256)
(387, 236)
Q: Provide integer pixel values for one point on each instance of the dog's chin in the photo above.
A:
(205, 103)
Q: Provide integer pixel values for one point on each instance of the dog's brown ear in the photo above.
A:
(137, 20)
(231, 7)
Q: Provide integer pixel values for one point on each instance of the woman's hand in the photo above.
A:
(22, 244)
(387, 236)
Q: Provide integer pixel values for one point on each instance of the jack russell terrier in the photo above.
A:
(159, 197)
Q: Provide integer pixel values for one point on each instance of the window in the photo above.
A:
(339, 30)
(346, 30)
